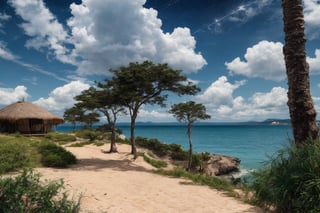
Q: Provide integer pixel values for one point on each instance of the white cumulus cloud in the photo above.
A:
(314, 63)
(109, 33)
(263, 60)
(11, 95)
(311, 17)
(62, 97)
(219, 92)
(43, 28)
(223, 105)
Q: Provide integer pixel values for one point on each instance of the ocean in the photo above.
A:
(252, 144)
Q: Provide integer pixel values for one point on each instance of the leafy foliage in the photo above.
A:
(25, 193)
(153, 162)
(60, 137)
(147, 83)
(189, 112)
(174, 151)
(89, 134)
(53, 155)
(12, 156)
(290, 181)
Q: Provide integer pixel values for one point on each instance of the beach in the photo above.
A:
(117, 183)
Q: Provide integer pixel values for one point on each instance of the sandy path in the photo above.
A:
(114, 183)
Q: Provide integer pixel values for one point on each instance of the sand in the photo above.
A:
(116, 183)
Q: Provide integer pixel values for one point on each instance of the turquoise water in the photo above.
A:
(251, 143)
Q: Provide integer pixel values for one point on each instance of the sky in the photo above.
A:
(50, 51)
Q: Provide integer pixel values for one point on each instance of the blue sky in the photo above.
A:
(52, 50)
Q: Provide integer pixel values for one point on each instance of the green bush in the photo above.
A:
(25, 193)
(89, 134)
(12, 156)
(290, 181)
(60, 137)
(153, 162)
(53, 155)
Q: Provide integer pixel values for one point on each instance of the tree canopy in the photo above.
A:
(189, 112)
(147, 83)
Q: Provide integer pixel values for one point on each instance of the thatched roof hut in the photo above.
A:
(27, 118)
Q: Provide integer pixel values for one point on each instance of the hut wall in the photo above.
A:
(23, 126)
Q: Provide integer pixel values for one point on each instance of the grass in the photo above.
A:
(153, 162)
(210, 181)
(17, 152)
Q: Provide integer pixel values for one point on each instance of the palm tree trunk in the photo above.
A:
(302, 112)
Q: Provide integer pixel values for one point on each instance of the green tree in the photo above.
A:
(302, 112)
(73, 115)
(103, 99)
(146, 83)
(189, 112)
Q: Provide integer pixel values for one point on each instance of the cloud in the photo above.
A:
(62, 97)
(311, 17)
(7, 55)
(43, 28)
(11, 95)
(219, 92)
(108, 34)
(314, 63)
(3, 17)
(263, 60)
(223, 106)
(240, 14)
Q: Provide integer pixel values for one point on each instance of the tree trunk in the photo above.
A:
(132, 136)
(190, 147)
(302, 112)
(113, 146)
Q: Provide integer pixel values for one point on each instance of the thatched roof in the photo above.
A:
(25, 110)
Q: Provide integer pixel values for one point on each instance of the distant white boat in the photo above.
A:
(275, 123)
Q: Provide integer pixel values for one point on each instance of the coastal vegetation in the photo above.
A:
(130, 88)
(189, 112)
(290, 181)
(26, 193)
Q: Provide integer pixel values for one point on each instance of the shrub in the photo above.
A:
(25, 193)
(53, 155)
(89, 134)
(160, 149)
(61, 138)
(12, 156)
(290, 181)
(153, 162)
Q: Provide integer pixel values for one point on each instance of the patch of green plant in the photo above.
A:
(80, 144)
(290, 181)
(210, 181)
(53, 155)
(13, 156)
(26, 193)
(61, 138)
(153, 162)
(89, 134)
(160, 149)
(99, 143)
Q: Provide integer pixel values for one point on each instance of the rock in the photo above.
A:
(219, 165)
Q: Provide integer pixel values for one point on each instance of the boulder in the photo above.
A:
(219, 165)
